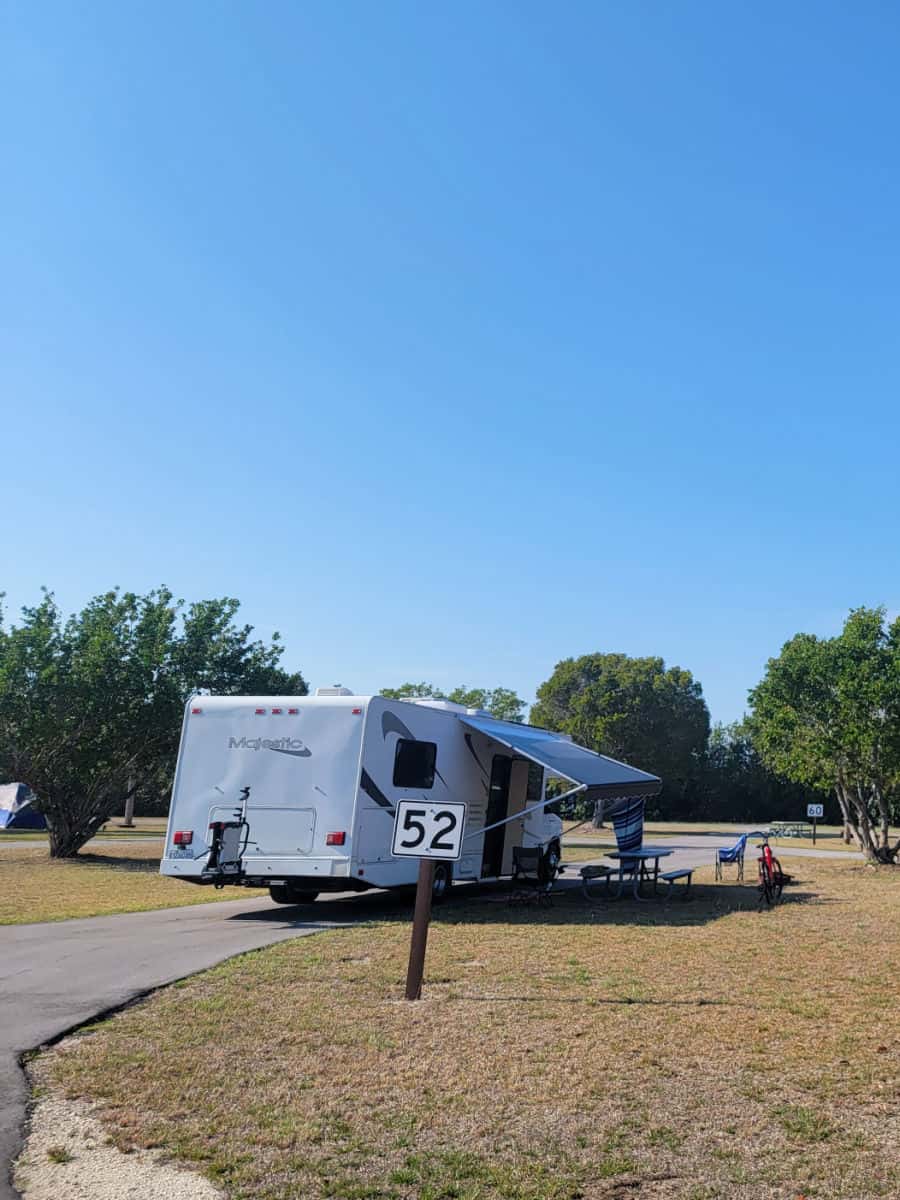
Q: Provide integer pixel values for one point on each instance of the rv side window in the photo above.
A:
(414, 764)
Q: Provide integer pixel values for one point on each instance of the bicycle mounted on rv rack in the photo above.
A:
(227, 843)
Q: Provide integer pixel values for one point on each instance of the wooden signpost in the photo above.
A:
(427, 832)
(815, 812)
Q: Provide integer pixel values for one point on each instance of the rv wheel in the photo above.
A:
(443, 878)
(282, 894)
(550, 862)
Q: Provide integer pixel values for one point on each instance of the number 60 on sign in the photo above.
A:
(426, 830)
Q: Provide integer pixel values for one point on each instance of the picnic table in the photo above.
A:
(636, 864)
(790, 829)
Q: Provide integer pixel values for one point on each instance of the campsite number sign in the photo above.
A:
(426, 830)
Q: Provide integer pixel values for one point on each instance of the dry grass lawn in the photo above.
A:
(694, 1051)
(112, 879)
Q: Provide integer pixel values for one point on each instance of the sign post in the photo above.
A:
(427, 832)
(815, 812)
(421, 921)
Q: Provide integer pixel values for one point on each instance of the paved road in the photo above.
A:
(699, 849)
(58, 975)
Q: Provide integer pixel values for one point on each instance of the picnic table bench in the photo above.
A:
(598, 871)
(636, 865)
(790, 829)
(670, 877)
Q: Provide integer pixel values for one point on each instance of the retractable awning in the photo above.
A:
(600, 776)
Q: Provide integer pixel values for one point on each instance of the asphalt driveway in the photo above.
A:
(58, 975)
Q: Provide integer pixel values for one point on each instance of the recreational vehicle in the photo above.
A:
(298, 794)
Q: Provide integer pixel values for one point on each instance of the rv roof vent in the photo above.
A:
(337, 690)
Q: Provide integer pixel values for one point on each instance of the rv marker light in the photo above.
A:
(356, 711)
(195, 711)
(335, 839)
(292, 712)
(260, 712)
(276, 711)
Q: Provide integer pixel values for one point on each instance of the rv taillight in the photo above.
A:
(183, 837)
(335, 839)
(260, 712)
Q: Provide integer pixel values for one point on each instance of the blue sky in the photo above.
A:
(457, 339)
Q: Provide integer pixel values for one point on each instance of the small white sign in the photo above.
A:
(426, 830)
(815, 810)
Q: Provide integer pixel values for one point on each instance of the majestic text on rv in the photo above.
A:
(298, 794)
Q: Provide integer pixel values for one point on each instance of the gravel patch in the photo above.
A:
(66, 1157)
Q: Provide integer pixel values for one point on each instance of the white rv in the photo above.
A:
(298, 794)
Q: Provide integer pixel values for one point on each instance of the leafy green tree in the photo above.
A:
(91, 706)
(827, 714)
(413, 691)
(736, 785)
(633, 709)
(502, 703)
(499, 702)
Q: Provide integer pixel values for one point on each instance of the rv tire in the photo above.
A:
(283, 894)
(549, 867)
(442, 882)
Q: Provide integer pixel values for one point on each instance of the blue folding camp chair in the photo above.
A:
(732, 854)
(735, 854)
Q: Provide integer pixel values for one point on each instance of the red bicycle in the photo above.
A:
(771, 877)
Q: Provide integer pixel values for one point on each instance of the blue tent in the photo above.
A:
(17, 810)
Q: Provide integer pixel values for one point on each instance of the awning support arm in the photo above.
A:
(582, 787)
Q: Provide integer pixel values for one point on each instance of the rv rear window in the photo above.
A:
(414, 764)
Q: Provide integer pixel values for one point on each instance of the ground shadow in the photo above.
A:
(114, 862)
(495, 903)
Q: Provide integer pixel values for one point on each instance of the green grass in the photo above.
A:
(114, 879)
(59, 1154)
(144, 827)
(803, 1124)
(699, 1049)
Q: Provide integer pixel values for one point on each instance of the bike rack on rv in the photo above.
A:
(226, 847)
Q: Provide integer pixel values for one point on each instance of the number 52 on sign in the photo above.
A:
(426, 830)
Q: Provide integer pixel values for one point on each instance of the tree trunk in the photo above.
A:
(128, 823)
(847, 833)
(876, 848)
(598, 815)
(68, 835)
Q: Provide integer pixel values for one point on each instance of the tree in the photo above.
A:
(736, 785)
(634, 709)
(827, 714)
(502, 703)
(91, 706)
(413, 691)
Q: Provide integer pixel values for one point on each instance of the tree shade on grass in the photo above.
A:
(109, 879)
